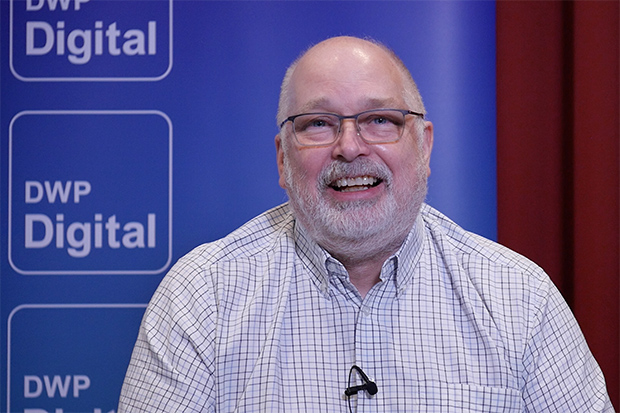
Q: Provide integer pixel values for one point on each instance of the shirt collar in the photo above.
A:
(313, 257)
(407, 257)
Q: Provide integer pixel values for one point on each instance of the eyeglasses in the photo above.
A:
(373, 126)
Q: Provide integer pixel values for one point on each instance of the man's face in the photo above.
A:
(350, 190)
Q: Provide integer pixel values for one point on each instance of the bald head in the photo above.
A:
(344, 58)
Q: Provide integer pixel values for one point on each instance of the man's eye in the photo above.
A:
(382, 120)
(315, 123)
(318, 123)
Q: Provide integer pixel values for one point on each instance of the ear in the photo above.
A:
(280, 160)
(427, 145)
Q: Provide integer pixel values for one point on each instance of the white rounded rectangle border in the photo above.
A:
(90, 78)
(88, 112)
(49, 307)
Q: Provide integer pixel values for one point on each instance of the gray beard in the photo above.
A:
(358, 230)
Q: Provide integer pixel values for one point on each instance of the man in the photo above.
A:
(355, 294)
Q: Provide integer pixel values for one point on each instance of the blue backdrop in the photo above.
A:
(133, 131)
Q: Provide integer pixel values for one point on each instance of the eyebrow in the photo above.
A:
(314, 104)
(369, 103)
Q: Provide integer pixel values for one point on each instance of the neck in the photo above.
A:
(364, 275)
(363, 259)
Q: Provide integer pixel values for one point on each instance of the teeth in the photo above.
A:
(357, 181)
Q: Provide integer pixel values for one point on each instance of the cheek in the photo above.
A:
(405, 163)
(306, 166)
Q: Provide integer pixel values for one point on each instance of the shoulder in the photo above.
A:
(508, 295)
(257, 236)
(487, 275)
(468, 247)
(211, 266)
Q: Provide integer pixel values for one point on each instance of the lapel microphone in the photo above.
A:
(369, 386)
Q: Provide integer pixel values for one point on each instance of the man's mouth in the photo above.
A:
(358, 183)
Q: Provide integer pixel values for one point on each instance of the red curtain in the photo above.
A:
(558, 156)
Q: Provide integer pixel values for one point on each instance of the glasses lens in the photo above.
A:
(381, 125)
(316, 128)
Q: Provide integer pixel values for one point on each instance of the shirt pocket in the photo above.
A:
(466, 398)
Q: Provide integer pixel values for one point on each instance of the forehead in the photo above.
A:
(346, 75)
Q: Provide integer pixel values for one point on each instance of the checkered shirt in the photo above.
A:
(265, 320)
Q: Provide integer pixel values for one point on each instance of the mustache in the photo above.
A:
(359, 167)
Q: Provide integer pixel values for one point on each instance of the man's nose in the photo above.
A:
(349, 144)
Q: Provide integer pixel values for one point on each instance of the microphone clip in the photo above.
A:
(369, 386)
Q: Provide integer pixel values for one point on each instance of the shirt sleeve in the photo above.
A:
(561, 372)
(171, 368)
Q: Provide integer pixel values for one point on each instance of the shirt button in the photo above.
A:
(366, 311)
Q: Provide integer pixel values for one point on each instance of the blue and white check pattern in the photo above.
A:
(264, 320)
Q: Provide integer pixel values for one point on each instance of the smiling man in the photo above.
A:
(355, 294)
(355, 184)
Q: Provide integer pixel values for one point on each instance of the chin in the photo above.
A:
(362, 226)
(357, 228)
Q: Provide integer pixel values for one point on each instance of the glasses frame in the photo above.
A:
(405, 112)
